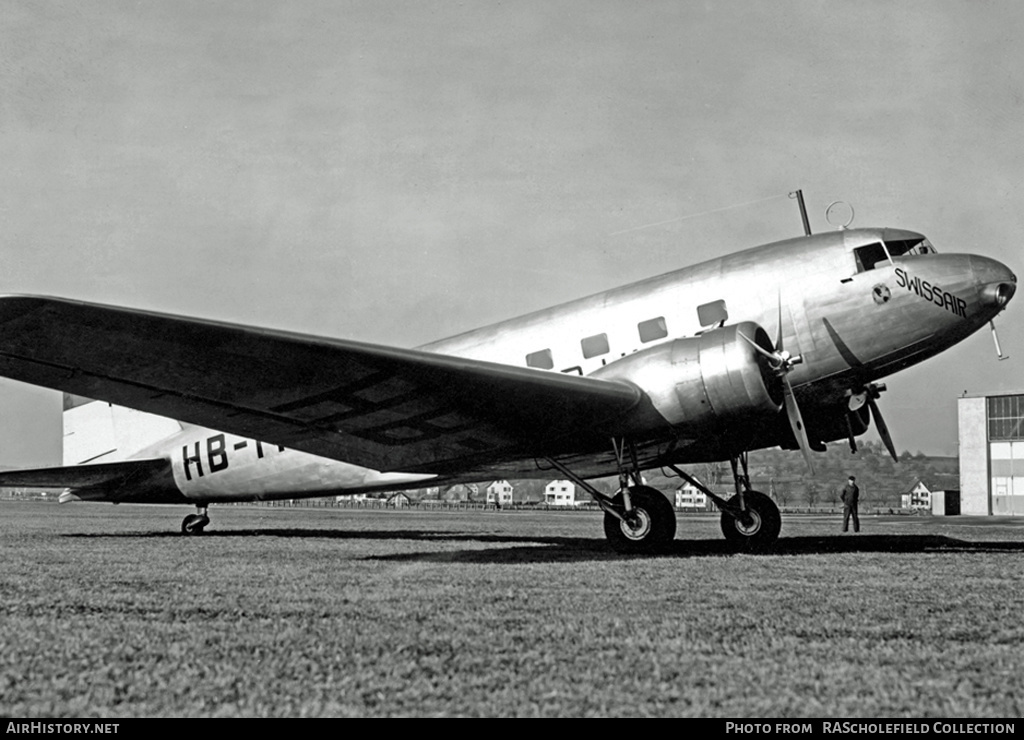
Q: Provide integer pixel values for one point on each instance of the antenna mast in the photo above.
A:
(799, 195)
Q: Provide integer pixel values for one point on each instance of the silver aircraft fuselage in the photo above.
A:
(856, 305)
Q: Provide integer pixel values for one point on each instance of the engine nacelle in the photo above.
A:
(838, 422)
(707, 379)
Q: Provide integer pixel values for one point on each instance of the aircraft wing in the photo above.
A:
(377, 407)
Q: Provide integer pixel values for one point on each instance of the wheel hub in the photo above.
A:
(748, 522)
(636, 525)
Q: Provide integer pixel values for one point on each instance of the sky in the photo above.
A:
(397, 172)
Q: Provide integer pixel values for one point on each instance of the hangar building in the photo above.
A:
(991, 430)
(31, 433)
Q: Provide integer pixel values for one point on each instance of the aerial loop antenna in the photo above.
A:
(834, 214)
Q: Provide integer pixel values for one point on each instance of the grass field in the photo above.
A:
(107, 611)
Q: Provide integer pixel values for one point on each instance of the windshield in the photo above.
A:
(876, 253)
(909, 246)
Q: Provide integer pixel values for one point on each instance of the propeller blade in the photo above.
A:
(770, 355)
(796, 422)
(783, 363)
(778, 332)
(883, 430)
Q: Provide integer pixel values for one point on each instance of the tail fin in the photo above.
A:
(95, 431)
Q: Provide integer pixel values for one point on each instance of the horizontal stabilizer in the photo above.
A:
(141, 481)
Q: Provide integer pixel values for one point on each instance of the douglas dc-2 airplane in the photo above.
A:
(778, 345)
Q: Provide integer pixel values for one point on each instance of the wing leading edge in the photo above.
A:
(374, 406)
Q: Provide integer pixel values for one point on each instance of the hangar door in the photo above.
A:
(1007, 477)
(1006, 453)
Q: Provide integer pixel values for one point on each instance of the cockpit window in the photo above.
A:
(910, 246)
(870, 255)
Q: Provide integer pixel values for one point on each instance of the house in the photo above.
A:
(398, 500)
(461, 492)
(691, 498)
(500, 493)
(560, 493)
(918, 497)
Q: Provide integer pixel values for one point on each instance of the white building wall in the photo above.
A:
(500, 492)
(560, 493)
(688, 497)
(30, 426)
(1006, 466)
(974, 468)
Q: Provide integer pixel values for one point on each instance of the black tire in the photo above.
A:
(758, 529)
(655, 522)
(194, 524)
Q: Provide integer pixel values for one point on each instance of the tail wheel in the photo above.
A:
(757, 527)
(649, 526)
(194, 524)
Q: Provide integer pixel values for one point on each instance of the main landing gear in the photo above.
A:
(750, 520)
(648, 526)
(756, 526)
(638, 519)
(195, 523)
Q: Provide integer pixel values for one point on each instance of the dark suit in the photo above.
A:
(850, 497)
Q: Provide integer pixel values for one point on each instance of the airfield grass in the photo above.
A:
(108, 612)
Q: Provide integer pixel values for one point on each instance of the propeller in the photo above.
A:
(869, 394)
(781, 363)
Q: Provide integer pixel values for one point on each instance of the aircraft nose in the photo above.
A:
(996, 283)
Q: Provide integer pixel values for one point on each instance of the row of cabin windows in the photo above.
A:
(597, 345)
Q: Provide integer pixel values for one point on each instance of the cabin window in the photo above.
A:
(870, 255)
(540, 360)
(712, 313)
(595, 346)
(652, 329)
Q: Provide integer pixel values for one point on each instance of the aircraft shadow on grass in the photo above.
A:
(542, 549)
(575, 549)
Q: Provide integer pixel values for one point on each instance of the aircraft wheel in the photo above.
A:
(651, 526)
(757, 528)
(194, 524)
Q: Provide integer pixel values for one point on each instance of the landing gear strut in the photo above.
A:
(195, 523)
(638, 519)
(647, 527)
(750, 520)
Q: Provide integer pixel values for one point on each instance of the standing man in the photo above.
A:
(850, 497)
